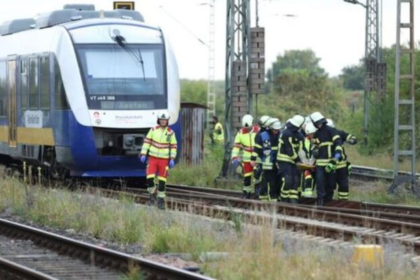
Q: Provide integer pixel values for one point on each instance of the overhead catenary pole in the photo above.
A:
(404, 100)
(211, 88)
(238, 101)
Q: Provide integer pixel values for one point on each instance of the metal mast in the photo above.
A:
(238, 98)
(404, 100)
(375, 71)
(211, 88)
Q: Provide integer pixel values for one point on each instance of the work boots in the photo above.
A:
(152, 199)
(247, 195)
(320, 201)
(161, 203)
(293, 201)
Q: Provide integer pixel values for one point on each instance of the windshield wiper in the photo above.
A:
(120, 40)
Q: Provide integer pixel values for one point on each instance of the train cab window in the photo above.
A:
(3, 78)
(45, 82)
(33, 83)
(59, 91)
(24, 83)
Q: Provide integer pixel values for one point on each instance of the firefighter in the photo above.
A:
(343, 167)
(244, 140)
(307, 178)
(159, 151)
(217, 133)
(327, 151)
(290, 143)
(265, 149)
(258, 170)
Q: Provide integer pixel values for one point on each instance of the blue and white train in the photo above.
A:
(79, 90)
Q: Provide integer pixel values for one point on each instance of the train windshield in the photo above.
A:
(124, 78)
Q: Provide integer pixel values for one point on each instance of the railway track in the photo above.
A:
(318, 222)
(30, 253)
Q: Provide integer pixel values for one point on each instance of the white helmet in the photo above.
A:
(163, 116)
(317, 117)
(330, 123)
(310, 128)
(307, 120)
(274, 123)
(263, 121)
(247, 121)
(297, 121)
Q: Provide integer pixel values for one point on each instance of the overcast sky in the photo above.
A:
(332, 28)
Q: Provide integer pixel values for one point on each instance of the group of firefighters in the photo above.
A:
(288, 162)
(285, 162)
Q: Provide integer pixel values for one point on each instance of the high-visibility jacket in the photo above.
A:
(265, 149)
(328, 142)
(245, 140)
(290, 143)
(219, 134)
(160, 142)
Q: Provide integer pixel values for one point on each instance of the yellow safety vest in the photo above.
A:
(219, 137)
(160, 142)
(244, 140)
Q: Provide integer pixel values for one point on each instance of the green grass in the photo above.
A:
(251, 252)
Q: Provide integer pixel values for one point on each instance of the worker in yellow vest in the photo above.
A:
(217, 133)
(245, 141)
(159, 150)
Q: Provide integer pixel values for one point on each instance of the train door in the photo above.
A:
(11, 89)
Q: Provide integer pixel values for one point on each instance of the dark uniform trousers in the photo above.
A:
(325, 183)
(289, 173)
(341, 178)
(270, 189)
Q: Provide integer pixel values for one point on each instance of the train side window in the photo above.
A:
(24, 83)
(33, 83)
(45, 82)
(3, 94)
(59, 91)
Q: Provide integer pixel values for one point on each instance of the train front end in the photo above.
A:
(129, 75)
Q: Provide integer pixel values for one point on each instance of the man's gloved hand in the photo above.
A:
(352, 141)
(349, 168)
(143, 158)
(331, 166)
(235, 161)
(337, 156)
(171, 163)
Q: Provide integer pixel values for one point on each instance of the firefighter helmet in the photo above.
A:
(297, 121)
(317, 118)
(330, 123)
(263, 121)
(162, 116)
(274, 123)
(247, 121)
(310, 128)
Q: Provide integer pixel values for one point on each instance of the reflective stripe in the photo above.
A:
(335, 137)
(322, 162)
(263, 197)
(161, 194)
(246, 189)
(248, 174)
(285, 158)
(150, 176)
(293, 194)
(162, 179)
(151, 190)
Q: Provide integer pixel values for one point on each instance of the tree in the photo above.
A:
(353, 77)
(301, 86)
(296, 60)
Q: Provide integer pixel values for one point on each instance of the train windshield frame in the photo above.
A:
(129, 77)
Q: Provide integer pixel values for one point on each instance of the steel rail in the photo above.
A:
(94, 254)
(13, 270)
